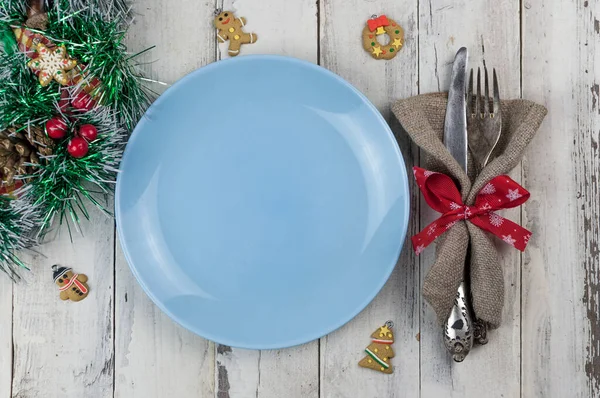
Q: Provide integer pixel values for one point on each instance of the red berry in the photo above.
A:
(83, 101)
(89, 132)
(78, 147)
(56, 128)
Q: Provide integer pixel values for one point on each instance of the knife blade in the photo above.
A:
(458, 331)
(455, 123)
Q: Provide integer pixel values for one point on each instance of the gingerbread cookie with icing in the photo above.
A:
(230, 28)
(380, 352)
(374, 37)
(72, 286)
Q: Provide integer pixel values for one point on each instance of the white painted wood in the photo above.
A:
(63, 348)
(283, 28)
(341, 24)
(561, 325)
(155, 357)
(182, 34)
(5, 336)
(293, 372)
(491, 370)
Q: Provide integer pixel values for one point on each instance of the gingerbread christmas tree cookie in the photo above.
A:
(380, 352)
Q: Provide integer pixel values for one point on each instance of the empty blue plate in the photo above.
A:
(263, 202)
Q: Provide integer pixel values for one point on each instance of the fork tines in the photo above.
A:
(483, 106)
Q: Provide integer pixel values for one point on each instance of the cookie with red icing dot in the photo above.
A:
(382, 37)
(230, 28)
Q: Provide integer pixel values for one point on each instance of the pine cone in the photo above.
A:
(19, 148)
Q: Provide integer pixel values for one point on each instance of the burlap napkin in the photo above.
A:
(423, 118)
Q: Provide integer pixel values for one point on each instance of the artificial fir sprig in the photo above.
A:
(18, 221)
(22, 101)
(100, 46)
(61, 186)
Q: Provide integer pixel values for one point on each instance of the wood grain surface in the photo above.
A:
(561, 326)
(117, 343)
(491, 34)
(341, 23)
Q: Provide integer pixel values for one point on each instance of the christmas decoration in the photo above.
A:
(379, 26)
(442, 195)
(52, 64)
(20, 150)
(230, 28)
(78, 147)
(423, 117)
(70, 92)
(379, 352)
(72, 286)
(83, 101)
(56, 128)
(89, 132)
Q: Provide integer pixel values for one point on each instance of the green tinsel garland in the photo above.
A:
(93, 32)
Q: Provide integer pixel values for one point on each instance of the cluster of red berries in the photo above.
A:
(56, 128)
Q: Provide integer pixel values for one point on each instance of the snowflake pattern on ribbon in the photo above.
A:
(496, 220)
(419, 249)
(509, 239)
(485, 206)
(442, 195)
(468, 213)
(489, 189)
(513, 194)
(455, 206)
(451, 224)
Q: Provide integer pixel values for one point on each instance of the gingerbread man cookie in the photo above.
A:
(72, 286)
(230, 28)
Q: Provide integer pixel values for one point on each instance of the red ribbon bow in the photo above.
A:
(377, 22)
(442, 195)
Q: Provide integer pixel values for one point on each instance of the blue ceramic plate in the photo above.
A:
(263, 202)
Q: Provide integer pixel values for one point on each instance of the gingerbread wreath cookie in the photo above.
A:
(230, 28)
(375, 29)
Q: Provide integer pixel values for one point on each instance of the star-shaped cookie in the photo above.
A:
(52, 64)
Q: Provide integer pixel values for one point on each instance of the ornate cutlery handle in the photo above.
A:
(458, 331)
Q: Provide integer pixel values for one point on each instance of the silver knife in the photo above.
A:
(458, 330)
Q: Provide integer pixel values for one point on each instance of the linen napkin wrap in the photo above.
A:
(423, 119)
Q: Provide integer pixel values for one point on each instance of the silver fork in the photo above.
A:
(485, 122)
(483, 130)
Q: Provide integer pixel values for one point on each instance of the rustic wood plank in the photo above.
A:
(490, 30)
(284, 28)
(341, 24)
(292, 372)
(62, 348)
(561, 325)
(6, 312)
(155, 357)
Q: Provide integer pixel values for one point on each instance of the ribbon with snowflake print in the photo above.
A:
(442, 195)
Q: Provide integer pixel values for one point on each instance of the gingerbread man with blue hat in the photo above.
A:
(72, 286)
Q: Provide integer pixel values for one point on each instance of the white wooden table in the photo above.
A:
(116, 343)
